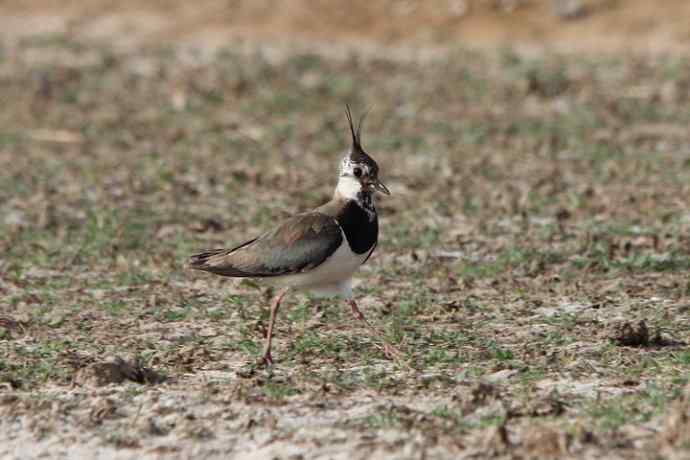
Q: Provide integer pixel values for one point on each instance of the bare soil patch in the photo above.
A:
(533, 265)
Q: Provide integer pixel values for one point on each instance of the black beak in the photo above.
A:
(378, 185)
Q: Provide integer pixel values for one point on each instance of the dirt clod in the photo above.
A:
(117, 371)
(628, 335)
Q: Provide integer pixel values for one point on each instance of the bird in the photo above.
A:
(317, 251)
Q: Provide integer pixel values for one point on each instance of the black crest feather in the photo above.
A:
(357, 153)
(355, 134)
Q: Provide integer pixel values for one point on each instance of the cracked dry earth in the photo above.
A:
(533, 266)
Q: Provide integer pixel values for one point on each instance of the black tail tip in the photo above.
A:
(198, 261)
(201, 259)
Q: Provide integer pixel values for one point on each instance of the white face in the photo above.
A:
(349, 183)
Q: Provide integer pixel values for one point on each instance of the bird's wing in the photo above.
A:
(299, 244)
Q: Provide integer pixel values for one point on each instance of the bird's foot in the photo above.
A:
(267, 359)
(389, 350)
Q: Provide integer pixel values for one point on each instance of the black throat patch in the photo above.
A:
(360, 223)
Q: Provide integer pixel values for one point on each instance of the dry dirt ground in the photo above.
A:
(533, 263)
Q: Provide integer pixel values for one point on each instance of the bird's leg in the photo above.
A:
(357, 313)
(267, 358)
(389, 350)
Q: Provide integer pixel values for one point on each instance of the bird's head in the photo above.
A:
(358, 171)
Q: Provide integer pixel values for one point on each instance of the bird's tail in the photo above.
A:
(200, 261)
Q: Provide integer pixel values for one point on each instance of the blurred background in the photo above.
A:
(586, 25)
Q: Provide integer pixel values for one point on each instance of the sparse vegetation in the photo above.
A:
(538, 218)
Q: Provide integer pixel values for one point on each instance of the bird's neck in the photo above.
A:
(349, 189)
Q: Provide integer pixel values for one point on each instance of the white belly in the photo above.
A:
(332, 277)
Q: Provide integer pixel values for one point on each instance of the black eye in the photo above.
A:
(357, 172)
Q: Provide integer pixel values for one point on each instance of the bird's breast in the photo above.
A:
(360, 226)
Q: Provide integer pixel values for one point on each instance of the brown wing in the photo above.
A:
(297, 245)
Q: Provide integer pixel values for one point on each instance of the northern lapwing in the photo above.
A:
(316, 251)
